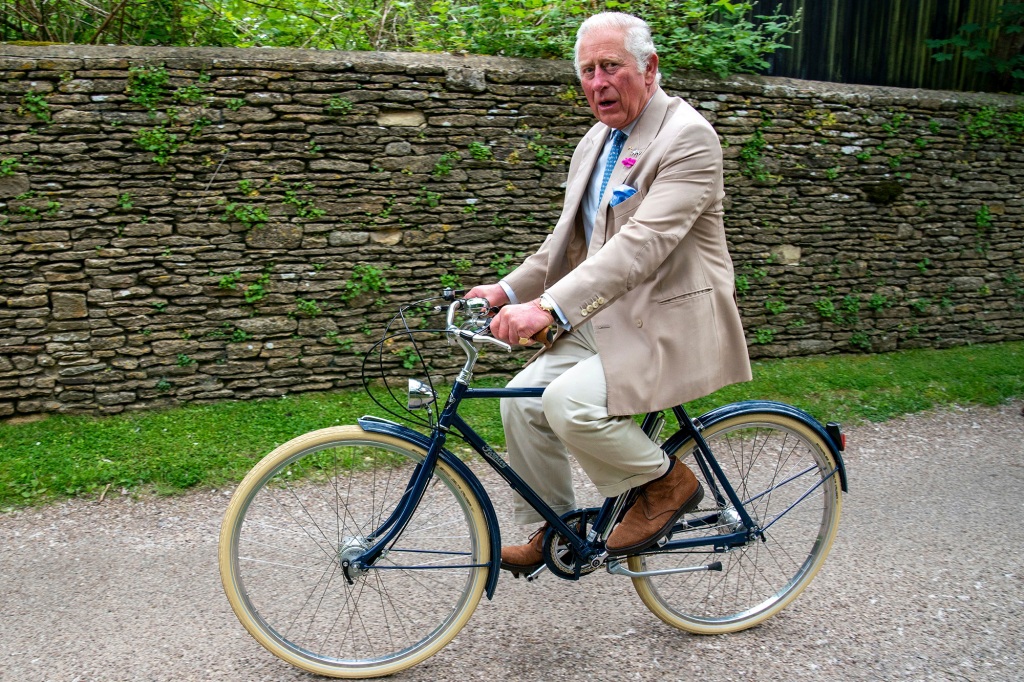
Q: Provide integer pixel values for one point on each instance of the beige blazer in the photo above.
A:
(657, 281)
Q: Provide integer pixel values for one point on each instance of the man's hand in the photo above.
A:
(494, 293)
(516, 324)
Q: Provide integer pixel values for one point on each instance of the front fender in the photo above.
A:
(378, 425)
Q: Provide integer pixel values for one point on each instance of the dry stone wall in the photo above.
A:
(206, 224)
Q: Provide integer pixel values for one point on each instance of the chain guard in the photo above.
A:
(558, 553)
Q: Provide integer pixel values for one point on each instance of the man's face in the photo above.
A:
(616, 90)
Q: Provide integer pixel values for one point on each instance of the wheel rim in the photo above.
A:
(313, 509)
(788, 486)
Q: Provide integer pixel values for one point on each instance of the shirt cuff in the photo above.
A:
(562, 319)
(508, 292)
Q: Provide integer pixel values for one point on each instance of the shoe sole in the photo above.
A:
(515, 570)
(688, 506)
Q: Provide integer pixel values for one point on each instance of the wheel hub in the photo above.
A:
(351, 549)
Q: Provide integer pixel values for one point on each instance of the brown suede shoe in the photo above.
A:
(525, 558)
(658, 505)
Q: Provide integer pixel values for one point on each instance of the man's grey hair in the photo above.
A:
(637, 34)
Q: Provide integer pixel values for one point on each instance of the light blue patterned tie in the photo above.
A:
(618, 138)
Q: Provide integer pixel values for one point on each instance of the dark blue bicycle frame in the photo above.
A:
(722, 490)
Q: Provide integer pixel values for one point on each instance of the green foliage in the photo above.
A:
(764, 335)
(453, 278)
(230, 281)
(338, 106)
(542, 153)
(365, 279)
(445, 164)
(720, 36)
(308, 307)
(304, 205)
(250, 215)
(235, 103)
(752, 156)
(994, 46)
(185, 361)
(480, 151)
(775, 306)
(146, 85)
(8, 166)
(34, 103)
(124, 201)
(160, 141)
(257, 291)
(983, 217)
(717, 36)
(996, 125)
(502, 265)
(189, 94)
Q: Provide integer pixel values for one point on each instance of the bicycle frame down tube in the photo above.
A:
(393, 526)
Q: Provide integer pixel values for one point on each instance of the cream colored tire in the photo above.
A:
(786, 475)
(309, 505)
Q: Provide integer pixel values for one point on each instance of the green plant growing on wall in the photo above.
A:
(308, 307)
(502, 265)
(861, 340)
(185, 361)
(431, 199)
(480, 151)
(189, 94)
(997, 125)
(305, 207)
(365, 279)
(542, 153)
(338, 106)
(409, 357)
(124, 201)
(230, 281)
(249, 215)
(983, 217)
(34, 103)
(764, 335)
(160, 141)
(775, 306)
(146, 85)
(453, 278)
(257, 291)
(752, 154)
(8, 166)
(445, 164)
(235, 103)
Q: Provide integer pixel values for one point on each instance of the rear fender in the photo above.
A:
(754, 406)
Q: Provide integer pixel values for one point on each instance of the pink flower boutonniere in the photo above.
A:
(629, 162)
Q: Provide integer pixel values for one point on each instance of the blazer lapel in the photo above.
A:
(643, 134)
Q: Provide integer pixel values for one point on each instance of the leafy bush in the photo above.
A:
(995, 47)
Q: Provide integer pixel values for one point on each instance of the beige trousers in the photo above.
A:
(572, 418)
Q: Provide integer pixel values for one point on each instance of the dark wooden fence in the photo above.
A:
(880, 42)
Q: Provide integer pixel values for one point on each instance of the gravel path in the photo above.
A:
(925, 582)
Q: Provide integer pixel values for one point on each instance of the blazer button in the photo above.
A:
(600, 300)
(584, 312)
(639, 323)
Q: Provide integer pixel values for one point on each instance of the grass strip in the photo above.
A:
(215, 445)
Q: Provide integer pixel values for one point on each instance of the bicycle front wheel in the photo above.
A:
(786, 477)
(316, 501)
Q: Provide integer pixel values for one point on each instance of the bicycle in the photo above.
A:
(361, 550)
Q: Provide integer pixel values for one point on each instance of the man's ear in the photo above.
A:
(651, 74)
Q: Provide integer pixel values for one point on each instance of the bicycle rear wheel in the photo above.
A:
(785, 476)
(312, 503)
